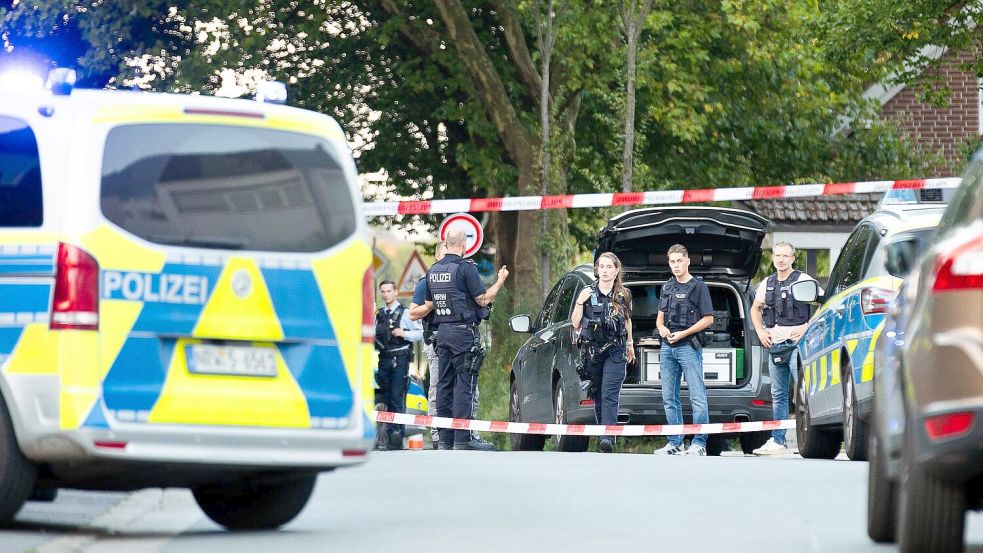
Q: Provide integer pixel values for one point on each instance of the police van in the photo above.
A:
(186, 300)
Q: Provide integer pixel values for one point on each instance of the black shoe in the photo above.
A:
(395, 441)
(606, 446)
(444, 446)
(474, 445)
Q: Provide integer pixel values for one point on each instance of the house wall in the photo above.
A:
(943, 130)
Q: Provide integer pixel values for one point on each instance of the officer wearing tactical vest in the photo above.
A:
(460, 302)
(685, 311)
(603, 316)
(779, 321)
(393, 333)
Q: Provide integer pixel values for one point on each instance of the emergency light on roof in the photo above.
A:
(273, 92)
(20, 80)
(61, 81)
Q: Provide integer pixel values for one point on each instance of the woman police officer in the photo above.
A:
(602, 314)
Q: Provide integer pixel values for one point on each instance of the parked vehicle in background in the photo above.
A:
(836, 352)
(724, 248)
(926, 467)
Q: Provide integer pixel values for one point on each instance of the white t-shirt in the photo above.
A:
(778, 333)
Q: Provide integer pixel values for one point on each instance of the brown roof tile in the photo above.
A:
(840, 209)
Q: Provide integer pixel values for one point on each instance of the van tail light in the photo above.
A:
(368, 307)
(76, 298)
(875, 300)
(950, 425)
(961, 268)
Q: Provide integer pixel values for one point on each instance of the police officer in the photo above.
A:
(685, 310)
(603, 317)
(393, 333)
(780, 322)
(418, 312)
(459, 302)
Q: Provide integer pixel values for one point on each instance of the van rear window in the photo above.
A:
(20, 175)
(225, 187)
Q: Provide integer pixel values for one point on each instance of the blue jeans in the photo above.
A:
(781, 376)
(675, 361)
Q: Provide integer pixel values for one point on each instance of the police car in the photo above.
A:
(185, 299)
(834, 387)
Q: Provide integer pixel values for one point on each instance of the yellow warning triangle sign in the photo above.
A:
(240, 307)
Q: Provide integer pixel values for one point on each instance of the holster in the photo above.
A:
(473, 360)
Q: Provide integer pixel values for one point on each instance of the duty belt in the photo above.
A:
(395, 351)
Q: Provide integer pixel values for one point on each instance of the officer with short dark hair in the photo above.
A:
(459, 301)
(393, 333)
(780, 322)
(685, 310)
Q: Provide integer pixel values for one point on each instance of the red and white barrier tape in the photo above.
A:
(580, 429)
(658, 197)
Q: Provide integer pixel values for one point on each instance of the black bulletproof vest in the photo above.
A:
(601, 324)
(780, 307)
(680, 304)
(385, 323)
(450, 303)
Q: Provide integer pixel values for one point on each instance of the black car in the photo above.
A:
(724, 248)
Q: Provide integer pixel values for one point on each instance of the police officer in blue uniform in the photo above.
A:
(780, 322)
(603, 316)
(460, 302)
(394, 331)
(685, 311)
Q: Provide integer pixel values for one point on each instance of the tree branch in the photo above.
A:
(515, 38)
(422, 37)
(488, 83)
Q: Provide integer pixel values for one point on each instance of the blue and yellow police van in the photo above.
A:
(834, 386)
(186, 299)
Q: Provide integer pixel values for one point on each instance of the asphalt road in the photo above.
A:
(475, 501)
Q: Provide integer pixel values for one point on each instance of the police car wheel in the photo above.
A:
(881, 497)
(814, 442)
(256, 504)
(570, 444)
(854, 429)
(17, 473)
(522, 442)
(931, 512)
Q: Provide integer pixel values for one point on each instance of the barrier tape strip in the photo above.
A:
(580, 429)
(657, 197)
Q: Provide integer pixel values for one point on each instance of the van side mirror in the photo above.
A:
(806, 291)
(900, 258)
(521, 323)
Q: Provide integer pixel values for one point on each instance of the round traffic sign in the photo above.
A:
(473, 233)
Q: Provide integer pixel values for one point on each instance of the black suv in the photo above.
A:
(724, 248)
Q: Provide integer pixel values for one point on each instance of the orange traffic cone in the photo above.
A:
(414, 442)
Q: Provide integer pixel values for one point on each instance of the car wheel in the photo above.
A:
(881, 500)
(256, 504)
(522, 442)
(854, 429)
(573, 444)
(17, 473)
(753, 440)
(814, 443)
(931, 513)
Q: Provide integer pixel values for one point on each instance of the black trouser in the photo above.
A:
(393, 379)
(456, 384)
(607, 372)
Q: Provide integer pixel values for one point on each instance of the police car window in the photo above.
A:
(226, 187)
(20, 175)
(849, 267)
(564, 304)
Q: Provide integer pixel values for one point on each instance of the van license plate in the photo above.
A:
(231, 360)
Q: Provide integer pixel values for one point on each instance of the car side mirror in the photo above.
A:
(806, 291)
(900, 258)
(521, 323)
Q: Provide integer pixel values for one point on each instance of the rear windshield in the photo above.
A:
(226, 187)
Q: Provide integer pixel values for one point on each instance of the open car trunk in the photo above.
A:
(725, 363)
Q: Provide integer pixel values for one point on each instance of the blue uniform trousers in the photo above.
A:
(607, 372)
(393, 379)
(456, 385)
